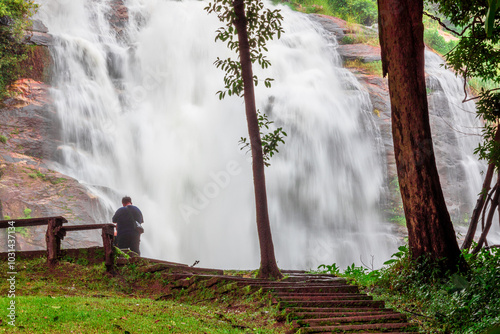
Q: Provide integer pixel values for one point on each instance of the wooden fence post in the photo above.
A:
(108, 232)
(53, 239)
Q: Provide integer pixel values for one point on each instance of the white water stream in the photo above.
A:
(140, 116)
(456, 134)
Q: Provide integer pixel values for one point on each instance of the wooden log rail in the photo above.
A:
(56, 232)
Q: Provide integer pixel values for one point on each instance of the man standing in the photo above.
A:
(127, 234)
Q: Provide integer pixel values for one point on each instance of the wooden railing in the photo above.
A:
(56, 232)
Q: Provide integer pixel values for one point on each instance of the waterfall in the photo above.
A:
(456, 133)
(140, 116)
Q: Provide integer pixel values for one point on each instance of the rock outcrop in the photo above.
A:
(29, 140)
(118, 17)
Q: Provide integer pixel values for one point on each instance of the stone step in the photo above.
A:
(327, 297)
(292, 284)
(329, 303)
(337, 309)
(356, 318)
(315, 289)
(340, 313)
(364, 328)
(324, 278)
(314, 294)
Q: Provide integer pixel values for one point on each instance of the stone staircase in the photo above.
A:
(313, 303)
(317, 303)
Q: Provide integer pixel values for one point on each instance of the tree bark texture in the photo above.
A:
(268, 266)
(489, 221)
(476, 214)
(430, 231)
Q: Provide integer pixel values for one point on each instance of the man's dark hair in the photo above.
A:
(126, 200)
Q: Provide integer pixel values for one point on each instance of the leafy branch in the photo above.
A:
(262, 24)
(270, 141)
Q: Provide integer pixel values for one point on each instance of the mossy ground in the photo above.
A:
(78, 296)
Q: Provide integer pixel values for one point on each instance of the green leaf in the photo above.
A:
(489, 23)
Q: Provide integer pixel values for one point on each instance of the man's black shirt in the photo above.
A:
(125, 218)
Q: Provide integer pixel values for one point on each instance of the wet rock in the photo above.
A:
(39, 38)
(39, 64)
(333, 25)
(363, 52)
(118, 16)
(29, 121)
(6, 21)
(28, 185)
(37, 25)
(37, 34)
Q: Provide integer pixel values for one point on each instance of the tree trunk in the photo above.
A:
(430, 231)
(268, 266)
(476, 214)
(489, 221)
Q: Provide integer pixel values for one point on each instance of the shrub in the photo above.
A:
(27, 213)
(360, 11)
(437, 42)
(14, 15)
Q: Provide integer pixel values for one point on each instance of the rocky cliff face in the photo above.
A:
(29, 133)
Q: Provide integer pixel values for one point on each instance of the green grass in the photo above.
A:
(313, 6)
(64, 314)
(58, 180)
(373, 68)
(37, 174)
(78, 296)
(477, 84)
(3, 139)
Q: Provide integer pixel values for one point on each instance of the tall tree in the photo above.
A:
(239, 79)
(430, 230)
(268, 266)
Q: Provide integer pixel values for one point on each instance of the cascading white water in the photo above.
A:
(140, 116)
(456, 133)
